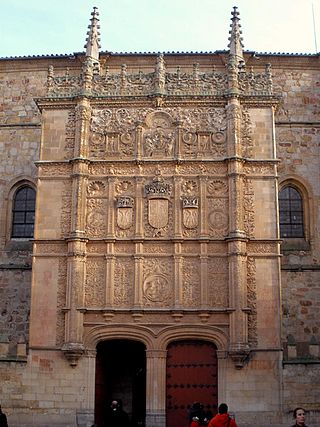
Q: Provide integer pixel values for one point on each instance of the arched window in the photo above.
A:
(23, 209)
(291, 213)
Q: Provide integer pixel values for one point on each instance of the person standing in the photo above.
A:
(116, 416)
(3, 419)
(222, 419)
(299, 414)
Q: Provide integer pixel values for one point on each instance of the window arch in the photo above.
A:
(23, 212)
(291, 215)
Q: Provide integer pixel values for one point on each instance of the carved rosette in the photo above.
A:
(157, 280)
(123, 282)
(95, 282)
(191, 283)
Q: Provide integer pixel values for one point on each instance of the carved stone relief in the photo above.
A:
(191, 282)
(125, 208)
(190, 207)
(70, 135)
(66, 209)
(157, 282)
(123, 282)
(248, 207)
(218, 206)
(95, 282)
(252, 302)
(246, 133)
(96, 219)
(218, 291)
(61, 300)
(158, 208)
(115, 132)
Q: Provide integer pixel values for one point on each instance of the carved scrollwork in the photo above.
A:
(95, 282)
(190, 283)
(96, 217)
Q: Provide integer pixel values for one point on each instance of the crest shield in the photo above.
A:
(158, 213)
(190, 218)
(124, 218)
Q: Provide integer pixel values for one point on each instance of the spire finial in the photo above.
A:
(235, 38)
(92, 41)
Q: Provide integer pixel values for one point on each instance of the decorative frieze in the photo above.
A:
(163, 81)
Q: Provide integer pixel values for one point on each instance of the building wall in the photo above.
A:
(24, 372)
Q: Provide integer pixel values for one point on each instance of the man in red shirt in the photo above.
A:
(222, 419)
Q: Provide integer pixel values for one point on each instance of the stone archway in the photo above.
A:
(121, 374)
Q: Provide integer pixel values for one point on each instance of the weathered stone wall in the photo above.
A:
(297, 135)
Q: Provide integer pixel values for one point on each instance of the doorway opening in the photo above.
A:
(191, 377)
(121, 375)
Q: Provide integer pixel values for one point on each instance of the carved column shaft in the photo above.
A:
(138, 280)
(111, 209)
(204, 276)
(75, 291)
(236, 199)
(139, 208)
(203, 208)
(178, 265)
(178, 210)
(238, 299)
(79, 188)
(82, 117)
(110, 269)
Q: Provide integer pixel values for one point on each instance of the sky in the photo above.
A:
(41, 27)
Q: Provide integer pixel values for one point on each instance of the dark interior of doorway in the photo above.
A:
(121, 374)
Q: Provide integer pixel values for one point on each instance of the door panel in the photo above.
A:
(191, 376)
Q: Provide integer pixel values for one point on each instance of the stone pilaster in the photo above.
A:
(156, 388)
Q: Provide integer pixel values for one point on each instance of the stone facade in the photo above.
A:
(157, 180)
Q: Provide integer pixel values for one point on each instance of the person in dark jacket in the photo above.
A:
(222, 419)
(116, 416)
(3, 419)
(299, 414)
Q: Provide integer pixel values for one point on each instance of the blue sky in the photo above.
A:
(36, 27)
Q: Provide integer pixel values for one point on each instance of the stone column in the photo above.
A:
(85, 415)
(238, 348)
(156, 388)
(76, 271)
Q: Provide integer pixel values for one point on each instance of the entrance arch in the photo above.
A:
(191, 376)
(121, 374)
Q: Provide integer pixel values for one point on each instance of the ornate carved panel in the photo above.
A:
(123, 282)
(252, 302)
(96, 220)
(61, 300)
(115, 132)
(95, 282)
(218, 290)
(248, 207)
(158, 282)
(218, 207)
(191, 282)
(65, 217)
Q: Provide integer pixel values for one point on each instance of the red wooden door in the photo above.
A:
(191, 376)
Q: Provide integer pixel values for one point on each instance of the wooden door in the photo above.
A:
(191, 376)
